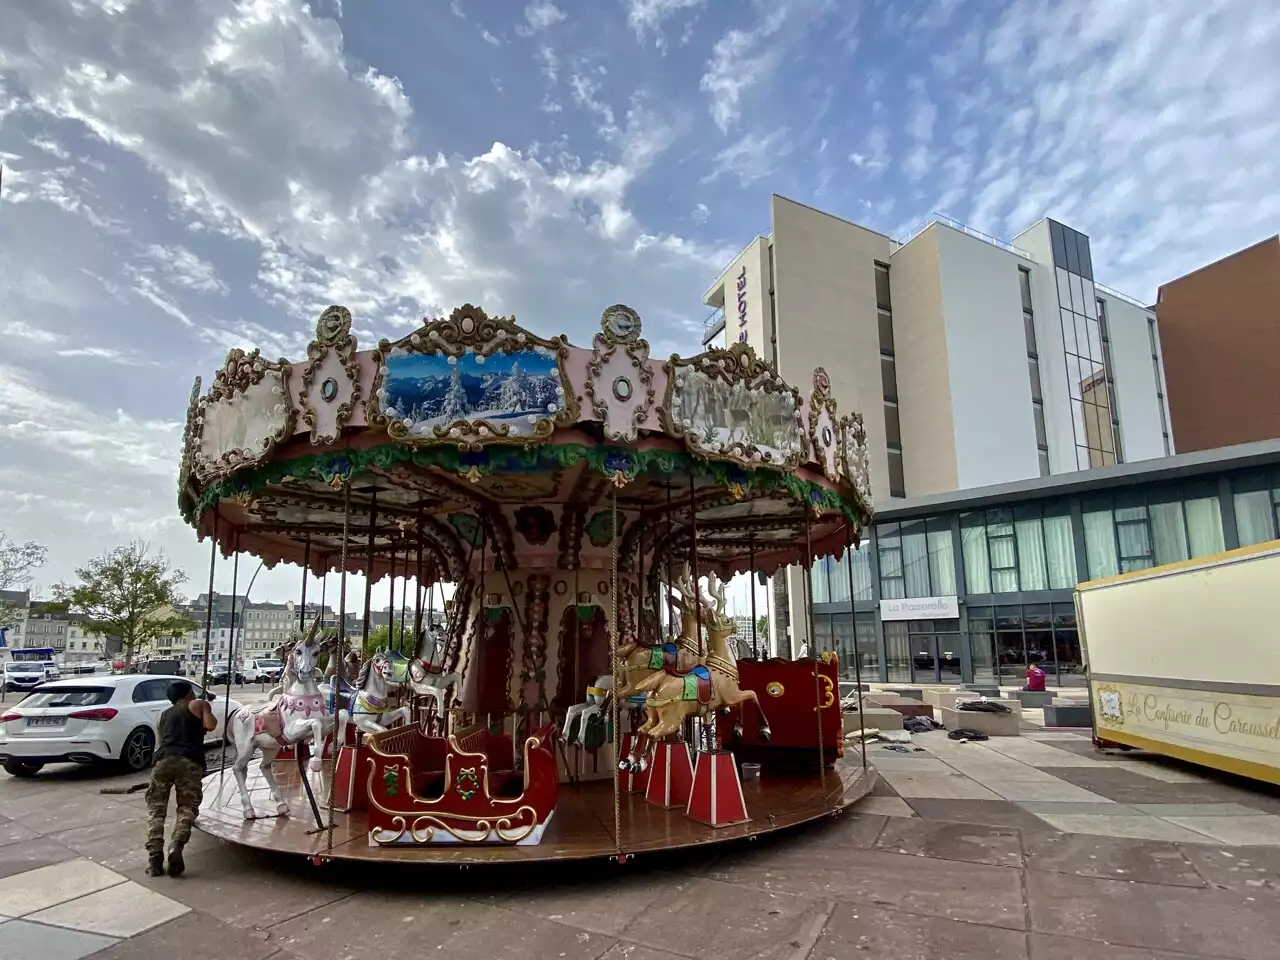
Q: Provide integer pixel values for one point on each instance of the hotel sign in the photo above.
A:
(920, 608)
(742, 306)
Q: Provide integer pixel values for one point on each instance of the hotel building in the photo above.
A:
(977, 364)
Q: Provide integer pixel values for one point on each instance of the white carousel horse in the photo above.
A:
(597, 696)
(370, 706)
(297, 716)
(428, 681)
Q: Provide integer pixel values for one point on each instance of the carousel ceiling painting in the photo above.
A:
(484, 441)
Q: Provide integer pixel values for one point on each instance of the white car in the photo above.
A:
(263, 670)
(91, 720)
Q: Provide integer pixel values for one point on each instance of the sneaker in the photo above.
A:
(155, 865)
(176, 864)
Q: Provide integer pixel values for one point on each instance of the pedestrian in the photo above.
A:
(179, 764)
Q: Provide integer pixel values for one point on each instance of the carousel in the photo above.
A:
(589, 693)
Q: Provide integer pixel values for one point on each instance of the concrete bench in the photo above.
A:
(873, 718)
(903, 705)
(914, 693)
(983, 689)
(1068, 713)
(1032, 698)
(992, 724)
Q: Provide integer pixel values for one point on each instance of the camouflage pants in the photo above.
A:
(185, 778)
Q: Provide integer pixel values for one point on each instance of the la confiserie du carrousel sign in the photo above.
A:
(742, 306)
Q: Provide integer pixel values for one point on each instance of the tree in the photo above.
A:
(762, 628)
(391, 637)
(128, 594)
(18, 562)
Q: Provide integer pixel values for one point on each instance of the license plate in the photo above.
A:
(46, 721)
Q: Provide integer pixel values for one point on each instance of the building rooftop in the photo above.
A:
(1180, 466)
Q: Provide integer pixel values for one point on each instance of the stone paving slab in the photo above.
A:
(24, 940)
(123, 910)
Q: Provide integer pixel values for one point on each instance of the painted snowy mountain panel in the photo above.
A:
(426, 390)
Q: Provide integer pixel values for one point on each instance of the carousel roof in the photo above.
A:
(485, 444)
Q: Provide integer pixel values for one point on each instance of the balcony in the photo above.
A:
(712, 326)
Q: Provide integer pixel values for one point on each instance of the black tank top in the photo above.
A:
(181, 735)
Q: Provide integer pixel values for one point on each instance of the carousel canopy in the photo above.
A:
(473, 443)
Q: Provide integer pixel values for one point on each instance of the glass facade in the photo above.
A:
(1013, 569)
(889, 380)
(1082, 315)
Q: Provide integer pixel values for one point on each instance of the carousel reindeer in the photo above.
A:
(674, 696)
(685, 654)
(427, 678)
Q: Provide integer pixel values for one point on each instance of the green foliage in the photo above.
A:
(762, 628)
(18, 563)
(129, 594)
(391, 636)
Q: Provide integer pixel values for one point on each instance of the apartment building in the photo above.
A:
(1220, 338)
(974, 361)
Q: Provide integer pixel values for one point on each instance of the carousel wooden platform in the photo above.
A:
(582, 828)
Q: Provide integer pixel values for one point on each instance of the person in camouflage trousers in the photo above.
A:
(179, 768)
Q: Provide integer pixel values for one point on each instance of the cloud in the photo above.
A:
(647, 16)
(540, 15)
(744, 59)
(752, 157)
(261, 174)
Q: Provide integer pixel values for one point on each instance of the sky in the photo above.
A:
(183, 178)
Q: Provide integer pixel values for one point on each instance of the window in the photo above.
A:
(1257, 503)
(897, 482)
(1033, 370)
(889, 553)
(1140, 529)
(1155, 364)
(151, 691)
(883, 300)
(1030, 548)
(889, 382)
(889, 376)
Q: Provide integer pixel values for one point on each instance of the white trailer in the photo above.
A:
(1184, 659)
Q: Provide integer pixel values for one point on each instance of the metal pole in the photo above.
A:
(671, 606)
(751, 562)
(693, 559)
(306, 574)
(640, 574)
(231, 667)
(857, 654)
(368, 577)
(393, 642)
(208, 616)
(807, 600)
(417, 583)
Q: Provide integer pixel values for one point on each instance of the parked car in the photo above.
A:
(162, 667)
(99, 719)
(218, 674)
(23, 675)
(262, 670)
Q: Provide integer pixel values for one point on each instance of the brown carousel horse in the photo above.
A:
(674, 695)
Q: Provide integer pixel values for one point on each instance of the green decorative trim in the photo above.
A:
(610, 461)
(600, 528)
(391, 780)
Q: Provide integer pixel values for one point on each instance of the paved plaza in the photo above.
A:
(1031, 847)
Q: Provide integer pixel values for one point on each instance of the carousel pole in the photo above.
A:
(697, 591)
(807, 599)
(208, 614)
(306, 571)
(751, 554)
(393, 642)
(342, 607)
(671, 600)
(640, 583)
(857, 655)
(231, 652)
(417, 582)
(693, 559)
(368, 578)
(614, 708)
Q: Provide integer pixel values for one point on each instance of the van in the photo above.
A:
(166, 668)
